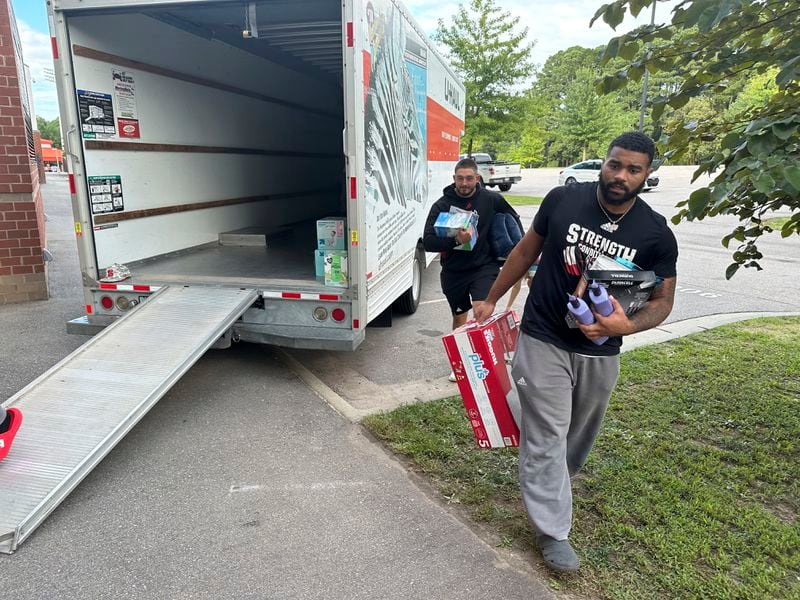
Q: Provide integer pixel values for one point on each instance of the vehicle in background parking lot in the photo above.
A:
(495, 172)
(589, 170)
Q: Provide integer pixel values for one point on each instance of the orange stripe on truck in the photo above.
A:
(444, 132)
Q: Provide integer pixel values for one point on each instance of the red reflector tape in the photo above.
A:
(355, 323)
(301, 296)
(126, 287)
(88, 309)
(55, 48)
(350, 34)
(353, 188)
(71, 183)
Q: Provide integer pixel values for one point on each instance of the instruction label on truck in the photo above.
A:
(97, 115)
(106, 194)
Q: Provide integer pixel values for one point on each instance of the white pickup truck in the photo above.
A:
(496, 173)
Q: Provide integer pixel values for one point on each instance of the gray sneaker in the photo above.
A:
(558, 554)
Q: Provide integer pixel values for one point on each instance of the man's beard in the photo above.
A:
(604, 190)
(468, 193)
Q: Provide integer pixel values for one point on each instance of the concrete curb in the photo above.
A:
(658, 335)
(670, 331)
(334, 400)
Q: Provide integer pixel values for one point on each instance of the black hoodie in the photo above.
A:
(488, 204)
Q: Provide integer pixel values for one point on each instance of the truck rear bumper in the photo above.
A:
(84, 326)
(292, 336)
(276, 335)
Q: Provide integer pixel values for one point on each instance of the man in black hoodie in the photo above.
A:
(467, 275)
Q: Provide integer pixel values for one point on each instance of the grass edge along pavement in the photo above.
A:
(692, 489)
(515, 200)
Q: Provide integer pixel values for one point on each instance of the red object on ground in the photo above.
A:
(477, 355)
(8, 436)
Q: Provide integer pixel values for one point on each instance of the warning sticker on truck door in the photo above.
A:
(125, 98)
(97, 115)
(106, 194)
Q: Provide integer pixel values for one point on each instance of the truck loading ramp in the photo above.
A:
(76, 412)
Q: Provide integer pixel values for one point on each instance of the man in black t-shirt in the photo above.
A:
(563, 378)
(467, 275)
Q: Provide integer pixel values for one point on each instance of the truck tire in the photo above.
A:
(504, 187)
(407, 303)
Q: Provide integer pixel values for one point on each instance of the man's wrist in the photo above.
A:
(630, 328)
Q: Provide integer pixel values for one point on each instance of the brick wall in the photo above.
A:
(23, 274)
(37, 144)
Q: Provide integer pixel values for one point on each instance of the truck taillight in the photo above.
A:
(106, 302)
(320, 313)
(338, 315)
(124, 303)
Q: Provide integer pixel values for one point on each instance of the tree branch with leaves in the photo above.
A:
(755, 157)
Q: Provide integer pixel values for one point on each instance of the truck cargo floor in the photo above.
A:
(285, 262)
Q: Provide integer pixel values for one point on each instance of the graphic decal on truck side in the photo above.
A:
(396, 157)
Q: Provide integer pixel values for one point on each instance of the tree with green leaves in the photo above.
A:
(492, 56)
(50, 130)
(754, 156)
(589, 121)
(526, 144)
(579, 122)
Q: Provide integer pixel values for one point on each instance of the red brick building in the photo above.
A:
(23, 274)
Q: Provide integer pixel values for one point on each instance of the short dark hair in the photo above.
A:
(467, 163)
(635, 141)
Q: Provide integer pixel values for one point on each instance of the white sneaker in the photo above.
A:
(451, 377)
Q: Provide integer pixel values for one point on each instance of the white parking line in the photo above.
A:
(433, 301)
(691, 290)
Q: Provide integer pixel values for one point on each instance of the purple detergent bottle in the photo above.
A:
(580, 309)
(602, 304)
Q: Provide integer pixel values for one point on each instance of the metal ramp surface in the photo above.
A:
(76, 412)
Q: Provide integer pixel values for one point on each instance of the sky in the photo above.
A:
(554, 25)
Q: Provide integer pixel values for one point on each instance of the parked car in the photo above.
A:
(589, 170)
(495, 172)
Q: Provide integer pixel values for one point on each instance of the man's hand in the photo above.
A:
(617, 323)
(483, 311)
(463, 236)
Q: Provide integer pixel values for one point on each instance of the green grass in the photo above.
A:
(776, 222)
(523, 200)
(693, 488)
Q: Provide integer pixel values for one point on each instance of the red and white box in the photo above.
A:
(477, 355)
(508, 326)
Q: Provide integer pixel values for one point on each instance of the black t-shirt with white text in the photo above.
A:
(569, 220)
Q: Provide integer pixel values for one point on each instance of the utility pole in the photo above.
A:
(646, 75)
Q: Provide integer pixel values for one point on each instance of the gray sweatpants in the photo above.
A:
(563, 397)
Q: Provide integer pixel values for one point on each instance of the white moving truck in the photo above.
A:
(204, 140)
